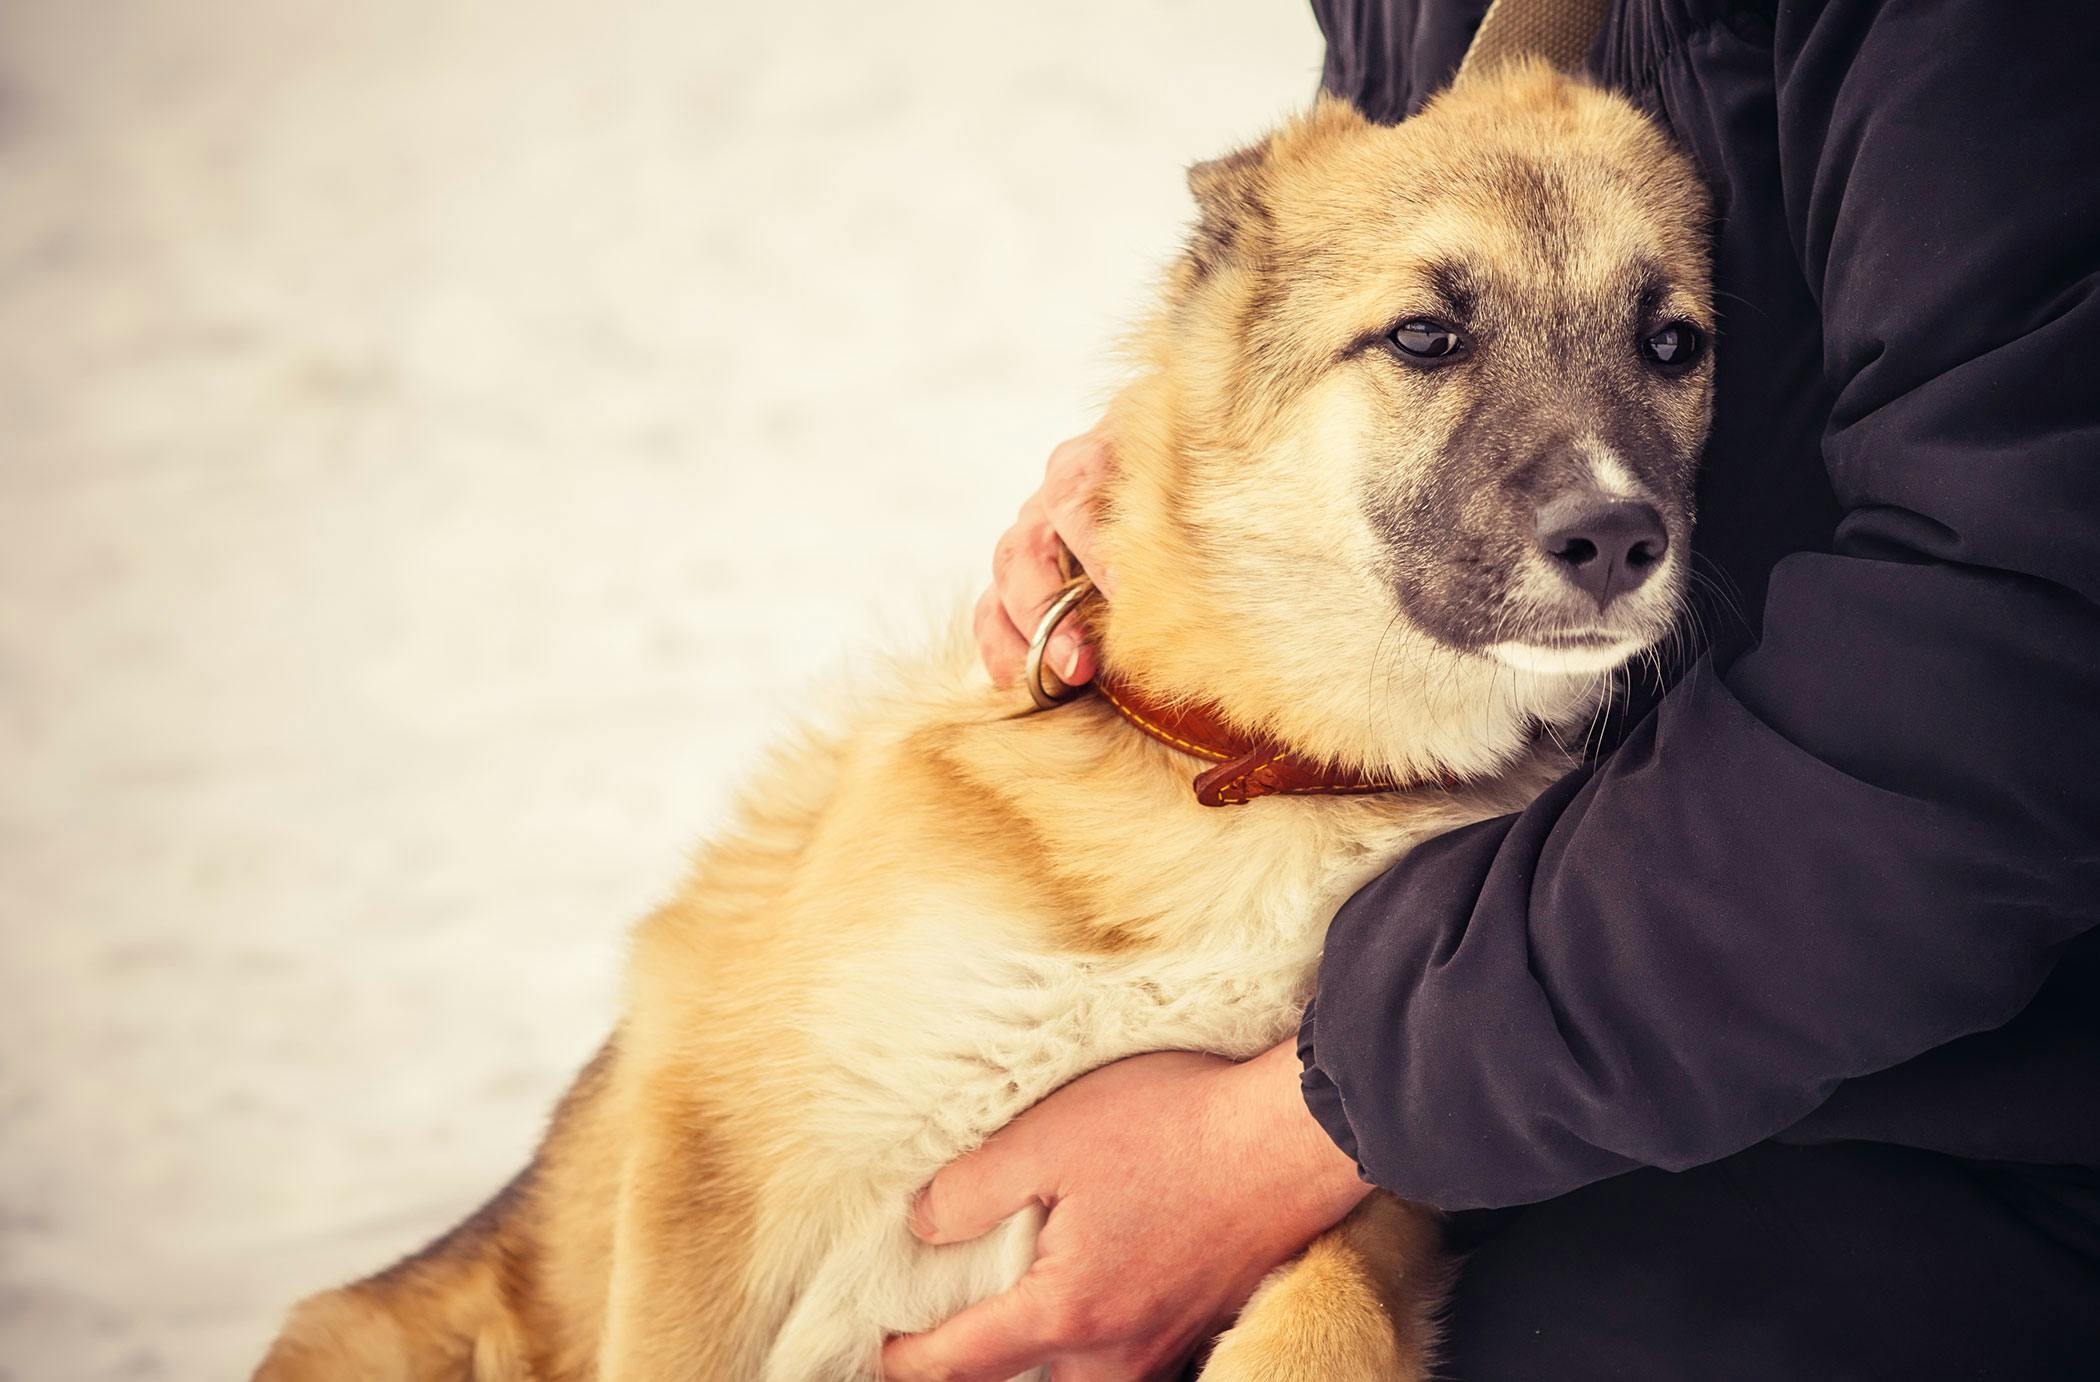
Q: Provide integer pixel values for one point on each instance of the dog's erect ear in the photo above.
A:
(1228, 203)
(1232, 193)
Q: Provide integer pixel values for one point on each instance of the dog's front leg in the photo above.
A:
(1357, 1306)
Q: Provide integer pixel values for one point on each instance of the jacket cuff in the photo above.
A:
(1322, 1096)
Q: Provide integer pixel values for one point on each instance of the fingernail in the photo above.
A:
(1064, 656)
(1105, 582)
(921, 1223)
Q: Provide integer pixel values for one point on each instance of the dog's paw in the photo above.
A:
(1357, 1307)
(1270, 1349)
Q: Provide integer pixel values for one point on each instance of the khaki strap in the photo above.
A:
(1560, 31)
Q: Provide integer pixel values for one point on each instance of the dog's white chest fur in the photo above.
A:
(1000, 1022)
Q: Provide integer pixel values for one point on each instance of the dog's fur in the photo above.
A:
(938, 911)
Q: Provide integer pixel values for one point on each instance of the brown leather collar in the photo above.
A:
(1243, 768)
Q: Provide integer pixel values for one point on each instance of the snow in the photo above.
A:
(438, 443)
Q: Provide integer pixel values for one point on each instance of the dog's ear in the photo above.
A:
(1228, 194)
(1232, 193)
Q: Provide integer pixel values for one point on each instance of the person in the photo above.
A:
(1767, 1044)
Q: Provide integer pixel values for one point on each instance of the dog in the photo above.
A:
(1404, 474)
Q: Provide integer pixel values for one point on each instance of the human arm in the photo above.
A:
(1874, 833)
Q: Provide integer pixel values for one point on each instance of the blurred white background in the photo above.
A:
(437, 444)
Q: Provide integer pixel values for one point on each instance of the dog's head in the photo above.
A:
(1409, 464)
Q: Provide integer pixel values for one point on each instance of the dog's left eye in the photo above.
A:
(1426, 339)
(1675, 347)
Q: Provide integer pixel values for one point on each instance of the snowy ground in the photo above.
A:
(437, 440)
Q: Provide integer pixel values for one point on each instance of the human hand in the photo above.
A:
(1175, 1183)
(1025, 574)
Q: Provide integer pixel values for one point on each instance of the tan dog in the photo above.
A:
(1404, 474)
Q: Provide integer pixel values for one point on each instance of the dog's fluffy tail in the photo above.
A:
(443, 1315)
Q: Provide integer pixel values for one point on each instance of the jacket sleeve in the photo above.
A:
(1873, 833)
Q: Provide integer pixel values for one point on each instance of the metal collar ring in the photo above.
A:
(1032, 670)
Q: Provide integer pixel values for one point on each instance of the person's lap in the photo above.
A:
(1825, 1264)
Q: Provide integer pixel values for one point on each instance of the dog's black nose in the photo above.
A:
(1605, 546)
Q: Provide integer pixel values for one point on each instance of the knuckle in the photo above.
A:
(1088, 476)
(1006, 549)
(1064, 455)
(1023, 546)
(1010, 570)
(1061, 485)
(1041, 547)
(1130, 1315)
(1072, 492)
(1081, 456)
(1075, 1321)
(1058, 1324)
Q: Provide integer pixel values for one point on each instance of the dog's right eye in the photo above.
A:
(1425, 338)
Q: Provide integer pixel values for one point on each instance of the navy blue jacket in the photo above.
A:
(1841, 879)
